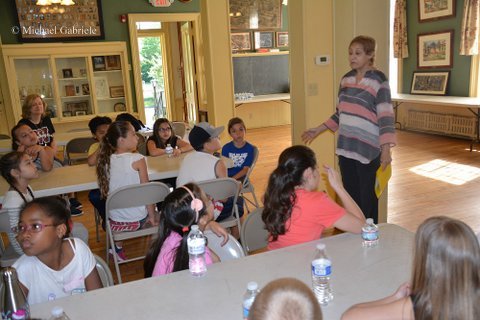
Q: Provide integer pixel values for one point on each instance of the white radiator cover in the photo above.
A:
(448, 124)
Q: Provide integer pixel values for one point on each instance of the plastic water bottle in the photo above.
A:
(13, 299)
(169, 150)
(369, 234)
(196, 250)
(58, 314)
(249, 297)
(321, 272)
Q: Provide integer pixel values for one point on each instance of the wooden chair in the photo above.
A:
(220, 189)
(126, 197)
(76, 150)
(8, 255)
(253, 234)
(231, 250)
(247, 186)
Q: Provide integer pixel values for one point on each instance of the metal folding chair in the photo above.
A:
(231, 250)
(104, 272)
(179, 128)
(247, 186)
(8, 255)
(253, 234)
(142, 144)
(76, 150)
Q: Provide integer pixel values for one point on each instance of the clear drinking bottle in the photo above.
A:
(13, 298)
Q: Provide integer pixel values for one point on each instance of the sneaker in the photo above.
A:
(121, 256)
(75, 212)
(74, 203)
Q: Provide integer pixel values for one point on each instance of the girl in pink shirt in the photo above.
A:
(184, 207)
(294, 212)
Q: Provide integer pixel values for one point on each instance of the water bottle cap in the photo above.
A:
(252, 286)
(194, 227)
(369, 221)
(57, 311)
(321, 246)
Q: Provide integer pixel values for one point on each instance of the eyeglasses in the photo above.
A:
(34, 227)
(165, 129)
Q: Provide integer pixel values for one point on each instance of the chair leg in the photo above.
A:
(97, 221)
(115, 260)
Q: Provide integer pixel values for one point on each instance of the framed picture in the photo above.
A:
(101, 87)
(433, 83)
(36, 23)
(83, 72)
(241, 41)
(67, 114)
(263, 39)
(117, 91)
(85, 89)
(112, 63)
(119, 107)
(435, 9)
(253, 14)
(98, 63)
(282, 39)
(67, 73)
(81, 113)
(70, 90)
(75, 106)
(435, 50)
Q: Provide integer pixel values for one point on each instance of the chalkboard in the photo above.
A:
(260, 75)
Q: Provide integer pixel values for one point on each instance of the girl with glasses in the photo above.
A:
(163, 134)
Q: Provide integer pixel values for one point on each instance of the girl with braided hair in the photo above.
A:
(294, 212)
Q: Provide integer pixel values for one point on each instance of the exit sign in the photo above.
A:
(161, 3)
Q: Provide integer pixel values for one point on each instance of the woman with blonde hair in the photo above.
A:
(445, 281)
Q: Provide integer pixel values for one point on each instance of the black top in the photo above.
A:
(44, 130)
(172, 141)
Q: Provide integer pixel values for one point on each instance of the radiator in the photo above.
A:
(448, 124)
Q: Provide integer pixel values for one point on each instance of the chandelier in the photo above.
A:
(54, 6)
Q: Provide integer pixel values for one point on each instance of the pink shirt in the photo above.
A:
(311, 214)
(166, 258)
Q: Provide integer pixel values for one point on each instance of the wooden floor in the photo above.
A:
(412, 197)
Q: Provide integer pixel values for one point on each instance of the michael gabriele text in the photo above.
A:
(42, 31)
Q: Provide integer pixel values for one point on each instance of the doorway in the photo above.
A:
(167, 72)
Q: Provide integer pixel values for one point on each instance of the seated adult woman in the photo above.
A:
(294, 212)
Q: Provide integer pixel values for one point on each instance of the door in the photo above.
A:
(3, 116)
(188, 73)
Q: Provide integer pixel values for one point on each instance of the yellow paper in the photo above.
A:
(382, 179)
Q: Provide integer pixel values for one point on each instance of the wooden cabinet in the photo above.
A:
(76, 80)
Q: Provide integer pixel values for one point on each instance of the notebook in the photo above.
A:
(381, 181)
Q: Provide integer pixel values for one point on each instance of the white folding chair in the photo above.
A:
(8, 255)
(142, 144)
(220, 189)
(77, 150)
(253, 234)
(127, 197)
(247, 186)
(104, 272)
(231, 250)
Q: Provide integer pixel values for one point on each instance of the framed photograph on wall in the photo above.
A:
(253, 14)
(112, 63)
(241, 41)
(435, 49)
(38, 23)
(117, 92)
(432, 83)
(282, 39)
(263, 39)
(98, 63)
(435, 9)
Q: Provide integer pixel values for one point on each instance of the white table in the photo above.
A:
(359, 274)
(285, 97)
(470, 103)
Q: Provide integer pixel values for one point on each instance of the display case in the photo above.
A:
(77, 81)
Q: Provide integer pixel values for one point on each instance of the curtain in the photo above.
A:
(470, 28)
(400, 41)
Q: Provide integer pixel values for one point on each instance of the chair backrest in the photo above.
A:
(180, 128)
(104, 272)
(142, 144)
(8, 255)
(4, 136)
(221, 188)
(77, 149)
(231, 250)
(246, 181)
(136, 195)
(253, 234)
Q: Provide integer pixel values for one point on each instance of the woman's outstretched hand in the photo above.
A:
(310, 134)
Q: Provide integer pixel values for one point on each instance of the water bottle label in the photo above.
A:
(196, 246)
(245, 313)
(321, 268)
(247, 304)
(370, 235)
(197, 265)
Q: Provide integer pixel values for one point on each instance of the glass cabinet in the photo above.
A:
(76, 81)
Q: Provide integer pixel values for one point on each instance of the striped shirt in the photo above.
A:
(364, 117)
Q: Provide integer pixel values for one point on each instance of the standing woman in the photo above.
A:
(365, 122)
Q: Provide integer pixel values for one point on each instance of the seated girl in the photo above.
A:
(184, 207)
(53, 265)
(445, 277)
(163, 135)
(294, 212)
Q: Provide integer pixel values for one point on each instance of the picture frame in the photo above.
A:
(263, 39)
(75, 106)
(83, 72)
(98, 63)
(429, 10)
(85, 89)
(281, 39)
(67, 73)
(81, 22)
(435, 50)
(241, 41)
(243, 13)
(66, 114)
(430, 82)
(117, 92)
(81, 113)
(101, 87)
(113, 62)
(119, 107)
(70, 90)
